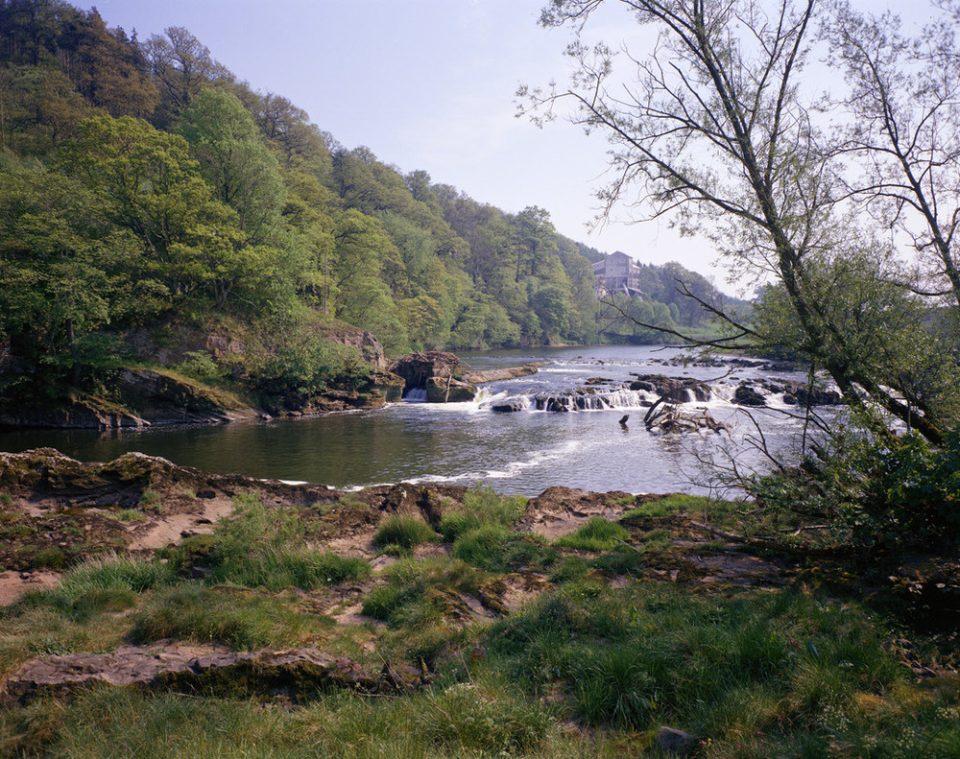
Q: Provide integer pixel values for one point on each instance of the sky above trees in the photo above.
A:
(429, 84)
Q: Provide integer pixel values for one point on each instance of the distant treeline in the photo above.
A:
(142, 183)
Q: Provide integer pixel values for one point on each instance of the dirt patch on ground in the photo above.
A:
(513, 591)
(736, 568)
(173, 528)
(13, 585)
(359, 545)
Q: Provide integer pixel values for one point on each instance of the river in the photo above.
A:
(463, 443)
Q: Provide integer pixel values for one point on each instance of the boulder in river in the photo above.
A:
(676, 389)
(449, 390)
(507, 405)
(417, 368)
(747, 395)
(501, 374)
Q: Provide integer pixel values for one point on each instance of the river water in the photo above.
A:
(463, 443)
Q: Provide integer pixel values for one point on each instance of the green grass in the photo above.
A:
(149, 498)
(755, 672)
(469, 721)
(497, 549)
(419, 592)
(50, 557)
(403, 532)
(681, 504)
(109, 583)
(589, 669)
(481, 506)
(130, 515)
(241, 620)
(261, 547)
(596, 535)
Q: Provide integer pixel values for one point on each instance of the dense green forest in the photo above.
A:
(144, 187)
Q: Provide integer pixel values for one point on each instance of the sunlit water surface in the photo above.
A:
(522, 452)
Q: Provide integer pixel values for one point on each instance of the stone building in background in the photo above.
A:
(617, 273)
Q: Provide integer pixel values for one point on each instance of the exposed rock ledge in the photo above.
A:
(499, 375)
(299, 674)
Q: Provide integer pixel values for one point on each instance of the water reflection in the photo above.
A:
(519, 452)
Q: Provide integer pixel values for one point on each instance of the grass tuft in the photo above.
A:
(106, 583)
(597, 534)
(260, 547)
(481, 506)
(496, 549)
(190, 611)
(404, 532)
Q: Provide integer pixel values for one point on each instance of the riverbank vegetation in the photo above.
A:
(588, 625)
(155, 210)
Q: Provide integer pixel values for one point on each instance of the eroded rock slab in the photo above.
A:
(558, 511)
(298, 674)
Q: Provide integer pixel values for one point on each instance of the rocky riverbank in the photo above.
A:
(161, 397)
(138, 597)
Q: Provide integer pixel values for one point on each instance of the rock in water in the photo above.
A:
(449, 390)
(417, 368)
(749, 396)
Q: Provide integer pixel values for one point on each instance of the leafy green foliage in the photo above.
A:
(234, 160)
(892, 493)
(144, 186)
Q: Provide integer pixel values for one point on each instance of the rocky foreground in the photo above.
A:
(431, 620)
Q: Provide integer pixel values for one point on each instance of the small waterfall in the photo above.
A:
(620, 398)
(416, 395)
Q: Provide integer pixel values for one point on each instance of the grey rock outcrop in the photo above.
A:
(299, 674)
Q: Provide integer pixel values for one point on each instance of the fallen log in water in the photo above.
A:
(670, 417)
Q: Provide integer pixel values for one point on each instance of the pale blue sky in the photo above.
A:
(429, 84)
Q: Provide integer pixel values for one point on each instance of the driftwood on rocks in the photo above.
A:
(670, 417)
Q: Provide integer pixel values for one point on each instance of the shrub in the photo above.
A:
(887, 493)
(596, 535)
(306, 363)
(199, 365)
